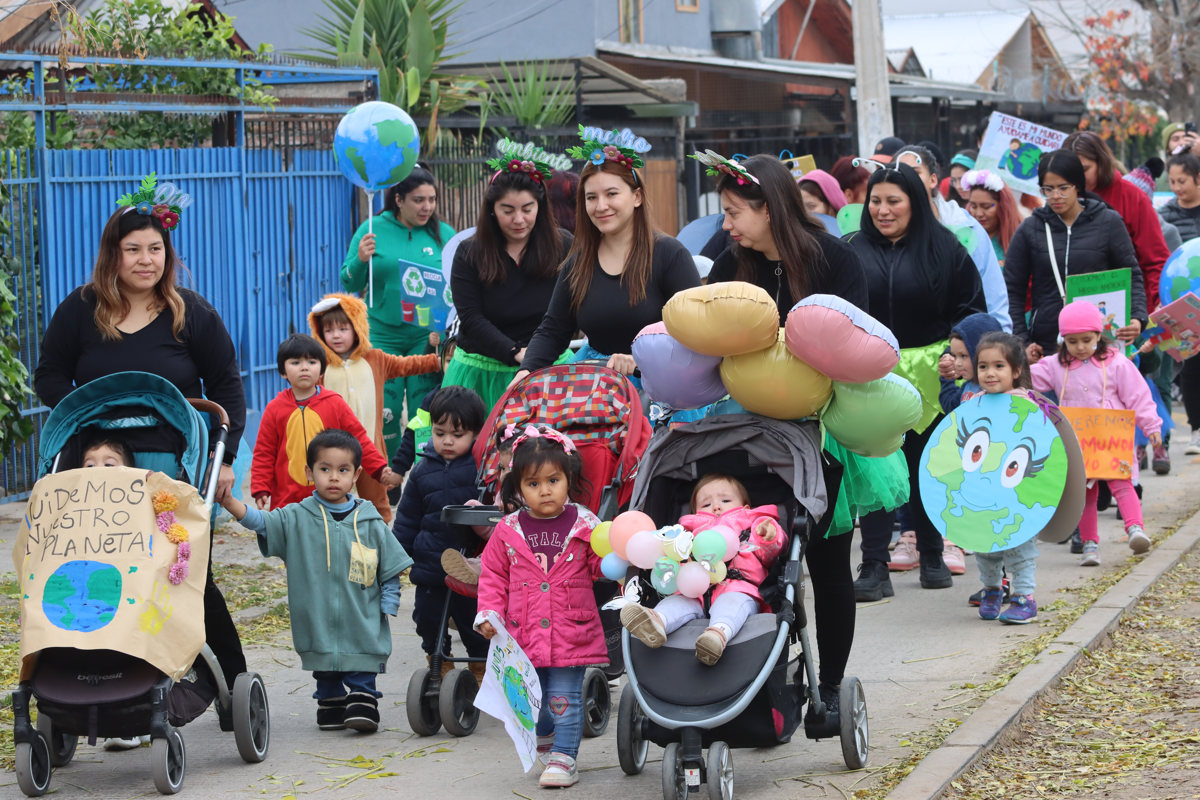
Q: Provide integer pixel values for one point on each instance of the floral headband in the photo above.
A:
(509, 161)
(165, 202)
(542, 432)
(981, 179)
(716, 164)
(597, 151)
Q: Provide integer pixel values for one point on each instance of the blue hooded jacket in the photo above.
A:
(970, 330)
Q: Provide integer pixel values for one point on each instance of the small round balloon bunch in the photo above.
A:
(680, 562)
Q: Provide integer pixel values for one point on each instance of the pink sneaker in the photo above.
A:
(954, 557)
(905, 557)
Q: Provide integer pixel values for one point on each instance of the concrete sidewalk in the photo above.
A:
(915, 653)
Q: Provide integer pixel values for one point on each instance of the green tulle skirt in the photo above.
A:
(486, 376)
(918, 365)
(868, 484)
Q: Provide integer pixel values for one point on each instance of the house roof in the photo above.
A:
(961, 45)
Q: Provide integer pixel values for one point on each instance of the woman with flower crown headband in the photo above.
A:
(132, 316)
(619, 272)
(992, 204)
(503, 277)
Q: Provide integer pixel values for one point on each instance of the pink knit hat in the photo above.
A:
(829, 187)
(1080, 317)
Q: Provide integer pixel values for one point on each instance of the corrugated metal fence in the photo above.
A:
(262, 241)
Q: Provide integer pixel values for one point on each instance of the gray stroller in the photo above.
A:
(753, 696)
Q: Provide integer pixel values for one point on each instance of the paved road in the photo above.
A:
(911, 652)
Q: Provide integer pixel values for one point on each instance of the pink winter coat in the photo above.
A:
(553, 616)
(755, 556)
(1113, 382)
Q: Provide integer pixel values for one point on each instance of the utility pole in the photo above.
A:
(874, 113)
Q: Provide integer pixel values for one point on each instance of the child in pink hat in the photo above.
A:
(822, 193)
(1091, 372)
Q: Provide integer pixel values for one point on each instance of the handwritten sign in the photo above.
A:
(511, 692)
(1106, 439)
(1013, 147)
(94, 565)
(1180, 327)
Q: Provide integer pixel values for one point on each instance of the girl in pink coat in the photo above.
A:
(717, 500)
(1091, 372)
(538, 570)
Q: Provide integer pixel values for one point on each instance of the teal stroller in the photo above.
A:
(104, 692)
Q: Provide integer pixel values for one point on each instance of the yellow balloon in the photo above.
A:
(600, 543)
(717, 571)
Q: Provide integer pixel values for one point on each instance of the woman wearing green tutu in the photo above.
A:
(777, 246)
(503, 276)
(921, 283)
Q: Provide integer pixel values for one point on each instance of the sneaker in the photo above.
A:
(459, 567)
(545, 746)
(1162, 460)
(1021, 610)
(990, 602)
(560, 772)
(904, 557)
(1139, 542)
(873, 582)
(831, 726)
(1142, 459)
(975, 599)
(710, 645)
(954, 557)
(1193, 447)
(1076, 542)
(1091, 555)
(644, 624)
(331, 713)
(934, 572)
(125, 744)
(362, 712)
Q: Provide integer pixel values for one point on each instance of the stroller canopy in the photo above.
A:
(125, 402)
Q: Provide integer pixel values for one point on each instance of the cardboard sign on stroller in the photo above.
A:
(99, 568)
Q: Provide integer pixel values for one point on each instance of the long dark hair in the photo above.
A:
(639, 263)
(417, 178)
(932, 247)
(560, 191)
(543, 249)
(1065, 163)
(529, 455)
(794, 231)
(1089, 145)
(1014, 353)
(111, 305)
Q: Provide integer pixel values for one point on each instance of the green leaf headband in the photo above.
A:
(165, 202)
(510, 160)
(598, 151)
(716, 165)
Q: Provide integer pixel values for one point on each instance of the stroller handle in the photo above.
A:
(209, 407)
(214, 410)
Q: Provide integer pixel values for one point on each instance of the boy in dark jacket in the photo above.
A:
(958, 363)
(445, 475)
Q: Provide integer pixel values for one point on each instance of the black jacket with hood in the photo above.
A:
(1096, 241)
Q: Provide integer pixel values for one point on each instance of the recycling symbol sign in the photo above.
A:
(414, 284)
(446, 298)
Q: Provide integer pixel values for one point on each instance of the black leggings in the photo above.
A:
(833, 599)
(877, 526)
(220, 632)
(1189, 383)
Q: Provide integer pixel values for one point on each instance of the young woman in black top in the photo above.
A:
(502, 280)
(617, 277)
(777, 246)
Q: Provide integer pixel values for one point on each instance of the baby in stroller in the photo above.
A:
(717, 500)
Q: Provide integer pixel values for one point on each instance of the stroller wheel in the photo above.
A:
(456, 702)
(632, 747)
(674, 781)
(855, 735)
(597, 705)
(251, 717)
(170, 762)
(424, 716)
(720, 772)
(62, 745)
(33, 766)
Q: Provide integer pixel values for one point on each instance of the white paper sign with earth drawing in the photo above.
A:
(427, 295)
(100, 568)
(511, 692)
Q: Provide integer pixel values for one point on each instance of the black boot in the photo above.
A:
(362, 712)
(1076, 542)
(934, 572)
(873, 582)
(829, 727)
(331, 714)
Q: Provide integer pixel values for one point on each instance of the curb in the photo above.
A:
(983, 729)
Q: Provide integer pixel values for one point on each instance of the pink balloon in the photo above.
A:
(644, 549)
(693, 579)
(624, 526)
(732, 542)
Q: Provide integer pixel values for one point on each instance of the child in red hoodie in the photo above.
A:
(293, 418)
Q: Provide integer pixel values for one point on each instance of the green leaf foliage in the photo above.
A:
(532, 95)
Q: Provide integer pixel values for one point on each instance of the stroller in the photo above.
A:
(105, 693)
(753, 696)
(600, 410)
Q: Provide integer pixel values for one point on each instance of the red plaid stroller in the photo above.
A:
(600, 410)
